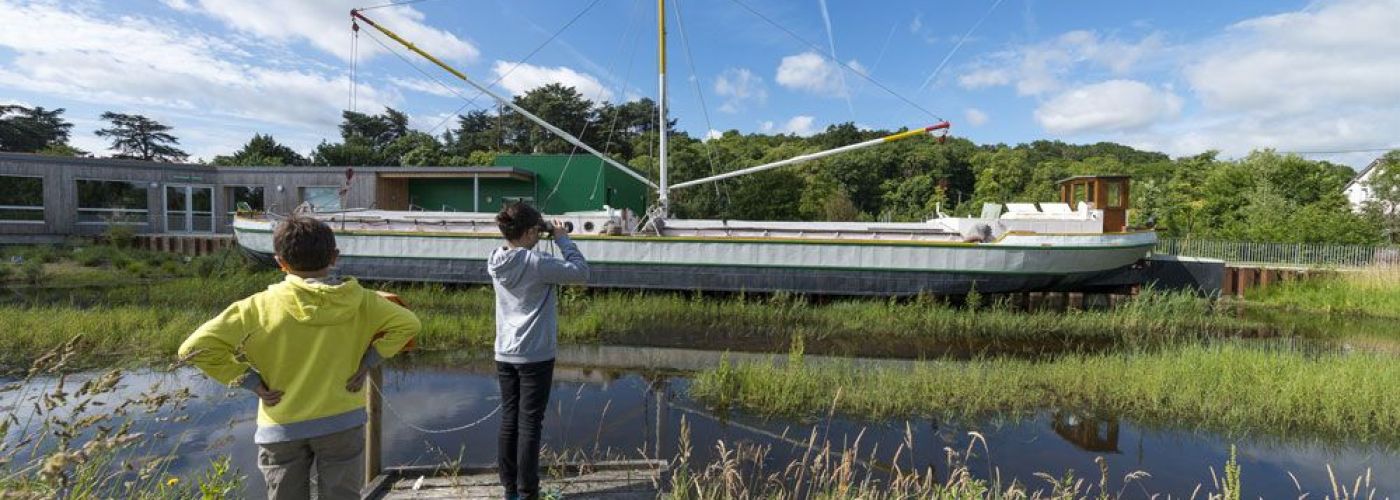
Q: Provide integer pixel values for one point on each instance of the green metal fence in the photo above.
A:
(1299, 254)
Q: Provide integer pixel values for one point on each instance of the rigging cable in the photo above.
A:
(527, 57)
(704, 109)
(958, 45)
(392, 4)
(574, 150)
(846, 66)
(617, 110)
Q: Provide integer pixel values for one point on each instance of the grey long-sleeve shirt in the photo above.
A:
(527, 317)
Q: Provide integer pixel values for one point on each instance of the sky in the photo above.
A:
(1180, 77)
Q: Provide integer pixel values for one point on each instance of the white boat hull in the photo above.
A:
(1014, 262)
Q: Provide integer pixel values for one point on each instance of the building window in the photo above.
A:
(322, 198)
(244, 198)
(112, 202)
(21, 199)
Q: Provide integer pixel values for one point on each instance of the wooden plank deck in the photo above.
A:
(619, 480)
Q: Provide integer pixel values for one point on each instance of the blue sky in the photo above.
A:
(1179, 77)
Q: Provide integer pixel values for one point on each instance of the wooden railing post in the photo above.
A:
(374, 424)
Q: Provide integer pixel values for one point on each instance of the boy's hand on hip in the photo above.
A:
(269, 397)
(357, 381)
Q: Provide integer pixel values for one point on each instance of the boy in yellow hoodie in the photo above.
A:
(304, 346)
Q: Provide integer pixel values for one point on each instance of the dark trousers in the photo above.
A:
(524, 398)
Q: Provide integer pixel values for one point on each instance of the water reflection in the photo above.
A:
(1087, 433)
(611, 411)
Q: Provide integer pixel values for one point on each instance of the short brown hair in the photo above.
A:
(304, 243)
(517, 218)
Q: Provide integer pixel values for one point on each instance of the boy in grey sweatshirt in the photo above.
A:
(527, 331)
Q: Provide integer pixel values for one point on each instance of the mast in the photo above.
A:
(664, 196)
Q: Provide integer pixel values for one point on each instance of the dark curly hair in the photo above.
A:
(304, 243)
(517, 218)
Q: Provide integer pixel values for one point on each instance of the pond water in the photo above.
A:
(629, 402)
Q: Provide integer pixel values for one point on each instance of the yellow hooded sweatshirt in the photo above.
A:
(305, 338)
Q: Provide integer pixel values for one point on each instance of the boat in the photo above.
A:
(1014, 247)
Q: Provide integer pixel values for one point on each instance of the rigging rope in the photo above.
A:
(695, 81)
(574, 150)
(848, 67)
(617, 110)
(424, 430)
(512, 69)
(958, 45)
(392, 4)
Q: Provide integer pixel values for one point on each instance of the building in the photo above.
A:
(43, 198)
(1358, 191)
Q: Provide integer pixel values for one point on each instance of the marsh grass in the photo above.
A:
(851, 471)
(148, 320)
(1229, 388)
(1374, 292)
(64, 439)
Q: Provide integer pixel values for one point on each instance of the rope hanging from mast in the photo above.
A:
(356, 14)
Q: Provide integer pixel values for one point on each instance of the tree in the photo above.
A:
(262, 150)
(141, 138)
(30, 130)
(1384, 189)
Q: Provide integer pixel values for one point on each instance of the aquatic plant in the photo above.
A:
(61, 441)
(1226, 387)
(1374, 291)
(845, 471)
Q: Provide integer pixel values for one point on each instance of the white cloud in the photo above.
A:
(424, 86)
(520, 78)
(1342, 53)
(325, 24)
(713, 134)
(1318, 79)
(976, 117)
(801, 125)
(765, 126)
(810, 72)
(739, 87)
(1111, 106)
(134, 61)
(1039, 68)
(180, 5)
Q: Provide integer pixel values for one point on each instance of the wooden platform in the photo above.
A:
(616, 480)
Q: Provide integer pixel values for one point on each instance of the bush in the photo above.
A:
(171, 268)
(5, 271)
(137, 268)
(99, 255)
(120, 235)
(33, 272)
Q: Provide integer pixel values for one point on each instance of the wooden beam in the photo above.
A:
(374, 424)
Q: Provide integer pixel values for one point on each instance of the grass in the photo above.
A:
(63, 439)
(849, 471)
(1373, 292)
(1224, 387)
(149, 320)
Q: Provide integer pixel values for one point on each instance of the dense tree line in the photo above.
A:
(1265, 196)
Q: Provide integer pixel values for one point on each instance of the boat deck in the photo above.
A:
(622, 480)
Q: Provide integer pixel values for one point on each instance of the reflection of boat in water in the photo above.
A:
(1087, 433)
(1029, 247)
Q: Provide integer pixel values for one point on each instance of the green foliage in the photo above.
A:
(141, 138)
(120, 235)
(31, 130)
(261, 150)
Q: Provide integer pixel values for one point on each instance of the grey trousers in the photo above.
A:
(338, 460)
